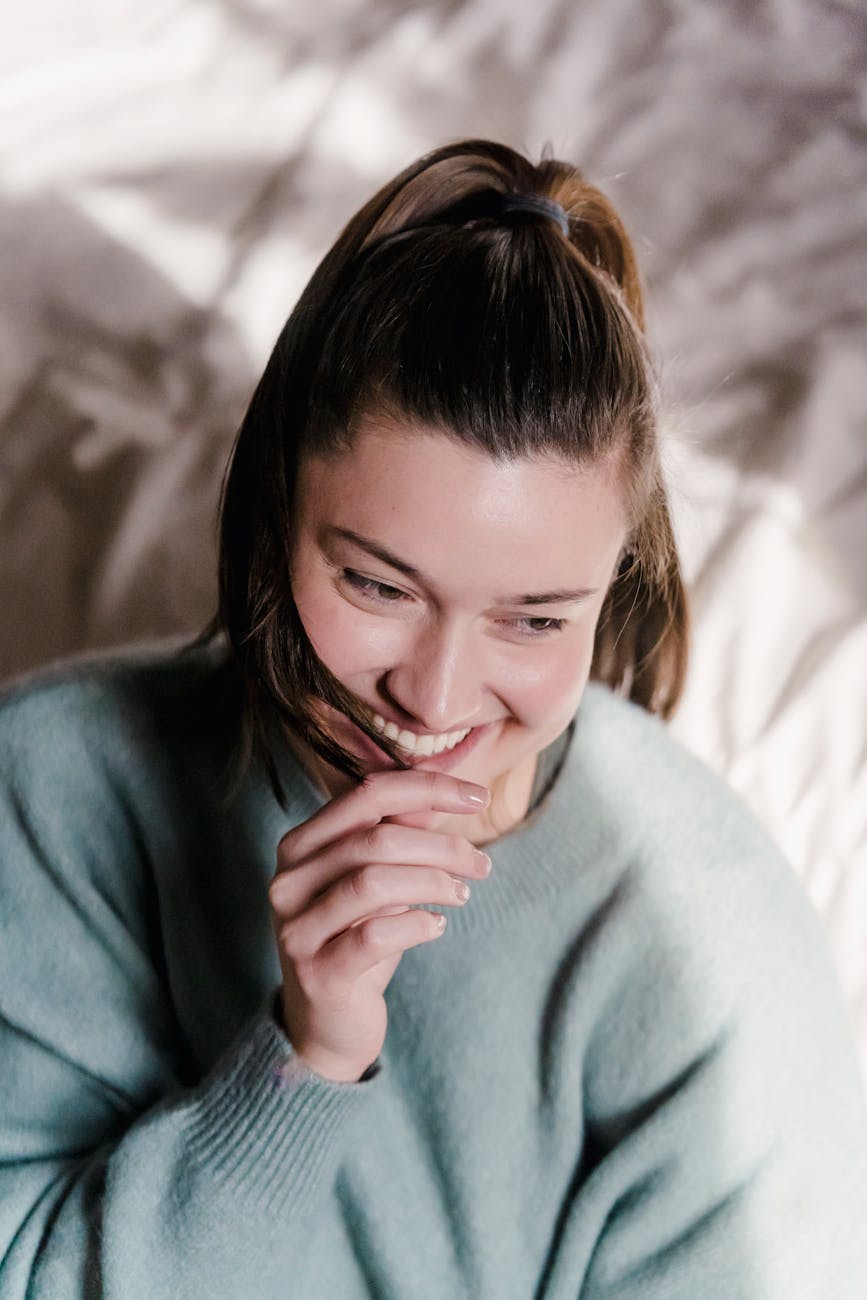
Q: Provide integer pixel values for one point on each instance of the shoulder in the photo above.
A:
(640, 768)
(109, 768)
(94, 794)
(719, 1080)
(686, 832)
(102, 760)
(691, 849)
(146, 671)
(87, 713)
(715, 953)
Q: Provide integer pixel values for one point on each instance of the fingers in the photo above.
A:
(384, 911)
(357, 950)
(381, 794)
(351, 903)
(349, 898)
(361, 895)
(379, 844)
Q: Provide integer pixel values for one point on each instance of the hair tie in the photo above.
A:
(536, 204)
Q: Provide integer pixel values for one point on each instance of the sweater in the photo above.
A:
(624, 1072)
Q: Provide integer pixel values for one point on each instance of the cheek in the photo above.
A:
(346, 640)
(551, 689)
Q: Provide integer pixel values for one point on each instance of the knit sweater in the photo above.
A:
(625, 1071)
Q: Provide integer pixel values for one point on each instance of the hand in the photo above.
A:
(340, 903)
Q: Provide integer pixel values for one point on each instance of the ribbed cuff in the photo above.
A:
(266, 1125)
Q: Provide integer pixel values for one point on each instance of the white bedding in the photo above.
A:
(171, 172)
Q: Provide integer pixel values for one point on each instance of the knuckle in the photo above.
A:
(282, 894)
(379, 840)
(286, 848)
(434, 783)
(458, 847)
(291, 941)
(369, 936)
(276, 894)
(366, 884)
(369, 840)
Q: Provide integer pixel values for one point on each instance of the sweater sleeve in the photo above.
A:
(726, 1152)
(211, 1191)
(122, 1173)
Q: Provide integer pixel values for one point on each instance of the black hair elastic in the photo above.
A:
(536, 204)
(484, 205)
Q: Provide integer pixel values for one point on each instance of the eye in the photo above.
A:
(538, 626)
(372, 589)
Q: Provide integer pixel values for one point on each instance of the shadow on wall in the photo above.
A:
(120, 401)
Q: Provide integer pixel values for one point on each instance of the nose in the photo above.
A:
(439, 680)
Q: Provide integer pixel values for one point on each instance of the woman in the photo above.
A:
(242, 1054)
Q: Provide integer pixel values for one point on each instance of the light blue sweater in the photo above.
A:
(625, 1072)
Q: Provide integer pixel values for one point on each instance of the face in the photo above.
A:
(457, 598)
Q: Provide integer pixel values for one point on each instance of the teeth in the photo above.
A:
(421, 745)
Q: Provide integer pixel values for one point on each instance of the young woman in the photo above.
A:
(242, 1053)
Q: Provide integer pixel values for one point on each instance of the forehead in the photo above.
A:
(453, 511)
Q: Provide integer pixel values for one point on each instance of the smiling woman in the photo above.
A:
(422, 629)
(457, 305)
(240, 1053)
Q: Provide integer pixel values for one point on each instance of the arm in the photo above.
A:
(727, 1153)
(210, 1191)
(122, 1174)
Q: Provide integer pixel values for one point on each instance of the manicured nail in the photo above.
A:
(482, 861)
(476, 795)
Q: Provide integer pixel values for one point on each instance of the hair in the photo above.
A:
(441, 305)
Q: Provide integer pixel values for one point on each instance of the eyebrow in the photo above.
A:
(562, 596)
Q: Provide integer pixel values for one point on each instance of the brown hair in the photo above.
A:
(442, 305)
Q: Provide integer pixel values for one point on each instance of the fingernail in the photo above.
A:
(483, 861)
(476, 795)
